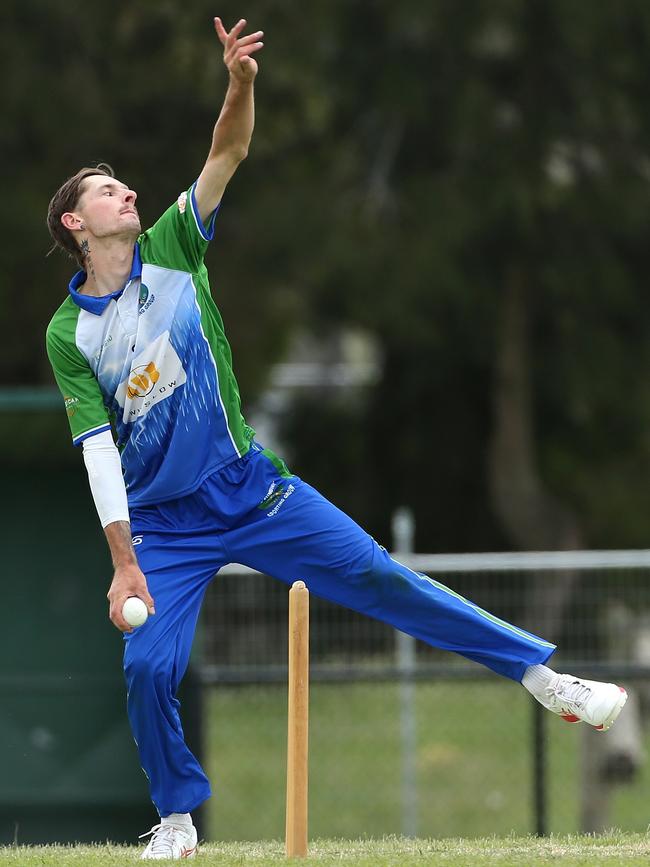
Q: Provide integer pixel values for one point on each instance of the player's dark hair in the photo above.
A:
(66, 199)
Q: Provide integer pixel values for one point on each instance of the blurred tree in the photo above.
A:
(493, 235)
(465, 181)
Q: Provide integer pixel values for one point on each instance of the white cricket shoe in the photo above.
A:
(170, 841)
(578, 700)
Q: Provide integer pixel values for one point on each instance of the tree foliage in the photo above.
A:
(408, 160)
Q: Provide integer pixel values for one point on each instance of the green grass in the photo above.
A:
(473, 763)
(613, 849)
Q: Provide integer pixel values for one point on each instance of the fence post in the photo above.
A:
(403, 528)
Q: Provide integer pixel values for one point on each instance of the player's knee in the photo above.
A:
(142, 668)
(386, 576)
(372, 575)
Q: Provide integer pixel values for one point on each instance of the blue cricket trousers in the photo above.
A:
(249, 513)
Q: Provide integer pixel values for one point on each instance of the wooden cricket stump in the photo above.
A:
(298, 721)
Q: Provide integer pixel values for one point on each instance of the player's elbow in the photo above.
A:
(239, 153)
(227, 159)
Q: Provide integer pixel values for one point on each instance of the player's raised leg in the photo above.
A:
(305, 536)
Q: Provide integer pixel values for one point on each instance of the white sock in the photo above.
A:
(536, 678)
(176, 819)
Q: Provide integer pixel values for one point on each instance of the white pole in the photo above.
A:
(403, 527)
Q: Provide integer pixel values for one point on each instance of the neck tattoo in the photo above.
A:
(85, 253)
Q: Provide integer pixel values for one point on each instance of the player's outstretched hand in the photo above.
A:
(237, 50)
(127, 581)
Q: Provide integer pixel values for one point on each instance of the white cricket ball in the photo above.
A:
(134, 611)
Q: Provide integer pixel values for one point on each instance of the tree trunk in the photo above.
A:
(532, 516)
(534, 519)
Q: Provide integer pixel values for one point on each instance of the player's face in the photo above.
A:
(107, 207)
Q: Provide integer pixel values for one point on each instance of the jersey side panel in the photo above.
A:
(213, 330)
(82, 396)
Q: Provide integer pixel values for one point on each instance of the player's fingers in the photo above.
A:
(116, 618)
(147, 598)
(236, 30)
(243, 53)
(222, 33)
(252, 37)
(232, 51)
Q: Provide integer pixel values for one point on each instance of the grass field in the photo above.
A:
(474, 773)
(614, 849)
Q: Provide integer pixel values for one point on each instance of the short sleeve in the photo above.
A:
(82, 396)
(179, 238)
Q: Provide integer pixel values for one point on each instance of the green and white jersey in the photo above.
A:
(152, 360)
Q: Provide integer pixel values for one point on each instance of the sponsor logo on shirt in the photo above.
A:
(155, 375)
(142, 380)
(145, 299)
(71, 405)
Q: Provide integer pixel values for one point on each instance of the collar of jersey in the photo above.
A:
(97, 305)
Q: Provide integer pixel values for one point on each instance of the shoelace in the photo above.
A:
(574, 693)
(162, 839)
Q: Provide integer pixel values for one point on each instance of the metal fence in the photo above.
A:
(409, 739)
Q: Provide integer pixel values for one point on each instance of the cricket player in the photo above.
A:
(182, 487)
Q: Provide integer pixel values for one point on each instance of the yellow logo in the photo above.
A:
(142, 380)
(70, 405)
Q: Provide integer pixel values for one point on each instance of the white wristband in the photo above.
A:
(104, 467)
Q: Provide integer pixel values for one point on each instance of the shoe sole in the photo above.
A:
(185, 853)
(618, 707)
